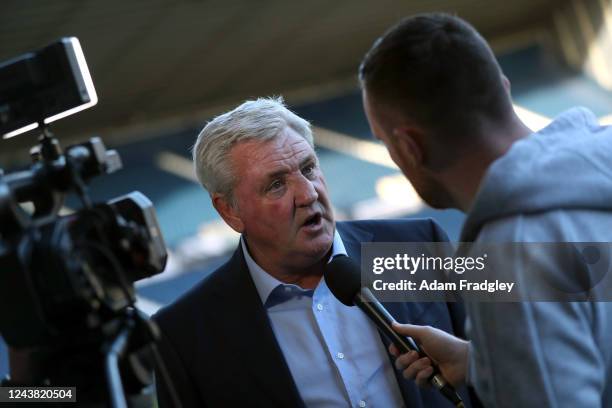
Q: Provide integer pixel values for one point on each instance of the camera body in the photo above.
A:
(66, 280)
(62, 275)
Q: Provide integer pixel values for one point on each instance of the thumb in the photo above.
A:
(410, 330)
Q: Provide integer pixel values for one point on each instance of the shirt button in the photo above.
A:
(319, 306)
(340, 355)
(362, 404)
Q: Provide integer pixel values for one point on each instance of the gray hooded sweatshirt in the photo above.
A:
(553, 186)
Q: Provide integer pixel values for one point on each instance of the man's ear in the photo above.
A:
(506, 83)
(409, 146)
(228, 212)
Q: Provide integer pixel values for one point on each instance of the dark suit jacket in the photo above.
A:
(219, 348)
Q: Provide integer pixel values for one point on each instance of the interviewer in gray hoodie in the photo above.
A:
(436, 97)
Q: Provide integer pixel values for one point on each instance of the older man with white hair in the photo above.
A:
(264, 329)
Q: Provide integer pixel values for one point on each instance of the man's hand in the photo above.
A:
(450, 353)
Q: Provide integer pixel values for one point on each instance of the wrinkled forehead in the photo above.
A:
(285, 151)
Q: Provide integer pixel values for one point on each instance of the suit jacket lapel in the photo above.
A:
(251, 336)
(352, 237)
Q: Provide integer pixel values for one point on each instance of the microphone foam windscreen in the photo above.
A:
(343, 278)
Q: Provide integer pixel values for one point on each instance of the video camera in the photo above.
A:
(66, 281)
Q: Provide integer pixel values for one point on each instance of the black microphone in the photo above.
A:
(343, 278)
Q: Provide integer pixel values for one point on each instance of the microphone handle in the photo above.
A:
(365, 300)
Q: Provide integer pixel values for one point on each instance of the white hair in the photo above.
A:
(262, 119)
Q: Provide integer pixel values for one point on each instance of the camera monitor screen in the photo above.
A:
(44, 86)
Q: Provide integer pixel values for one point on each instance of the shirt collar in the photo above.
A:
(266, 283)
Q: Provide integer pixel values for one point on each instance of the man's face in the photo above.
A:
(382, 125)
(281, 200)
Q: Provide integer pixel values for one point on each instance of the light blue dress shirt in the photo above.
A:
(334, 353)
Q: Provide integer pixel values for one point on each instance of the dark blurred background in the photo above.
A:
(162, 68)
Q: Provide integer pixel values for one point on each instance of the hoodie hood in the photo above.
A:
(566, 165)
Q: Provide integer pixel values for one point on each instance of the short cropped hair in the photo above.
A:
(436, 68)
(261, 119)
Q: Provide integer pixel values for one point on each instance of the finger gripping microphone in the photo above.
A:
(343, 278)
